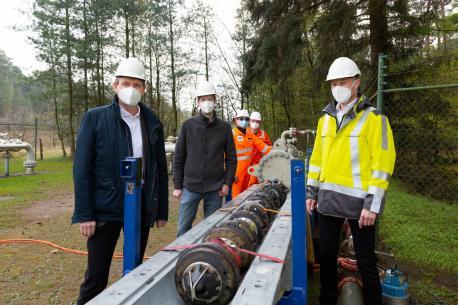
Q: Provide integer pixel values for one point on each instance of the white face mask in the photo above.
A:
(207, 106)
(342, 94)
(254, 126)
(129, 96)
(242, 124)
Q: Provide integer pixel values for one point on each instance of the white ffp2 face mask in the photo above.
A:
(341, 94)
(254, 126)
(129, 96)
(207, 106)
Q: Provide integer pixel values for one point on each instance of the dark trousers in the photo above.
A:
(100, 247)
(364, 243)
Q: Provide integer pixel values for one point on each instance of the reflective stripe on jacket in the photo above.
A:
(351, 164)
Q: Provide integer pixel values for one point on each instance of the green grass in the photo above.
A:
(420, 230)
(53, 176)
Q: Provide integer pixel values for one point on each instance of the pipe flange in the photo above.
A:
(242, 225)
(206, 274)
(251, 224)
(260, 222)
(258, 211)
(236, 235)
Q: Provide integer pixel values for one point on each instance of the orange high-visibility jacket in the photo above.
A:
(263, 136)
(245, 145)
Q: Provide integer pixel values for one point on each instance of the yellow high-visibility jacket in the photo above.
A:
(351, 164)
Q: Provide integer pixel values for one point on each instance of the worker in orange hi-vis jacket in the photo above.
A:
(245, 144)
(255, 123)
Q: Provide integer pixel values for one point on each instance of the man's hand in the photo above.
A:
(311, 205)
(367, 218)
(177, 193)
(87, 228)
(224, 191)
(161, 223)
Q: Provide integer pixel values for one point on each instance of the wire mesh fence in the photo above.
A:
(425, 126)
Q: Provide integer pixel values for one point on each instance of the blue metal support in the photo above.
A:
(298, 295)
(131, 172)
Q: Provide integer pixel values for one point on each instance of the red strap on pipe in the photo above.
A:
(274, 259)
(235, 252)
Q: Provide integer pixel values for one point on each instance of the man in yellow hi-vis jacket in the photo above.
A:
(352, 160)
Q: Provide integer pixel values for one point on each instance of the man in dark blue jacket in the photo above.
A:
(106, 136)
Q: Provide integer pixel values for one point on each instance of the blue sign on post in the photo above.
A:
(298, 294)
(131, 172)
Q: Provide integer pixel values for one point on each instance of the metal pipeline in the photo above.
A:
(350, 294)
(16, 145)
(210, 272)
(169, 152)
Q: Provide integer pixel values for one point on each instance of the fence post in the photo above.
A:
(36, 136)
(380, 85)
(41, 150)
(380, 80)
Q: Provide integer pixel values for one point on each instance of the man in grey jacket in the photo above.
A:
(204, 161)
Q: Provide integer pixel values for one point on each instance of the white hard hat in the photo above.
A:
(242, 113)
(205, 88)
(131, 67)
(255, 116)
(342, 67)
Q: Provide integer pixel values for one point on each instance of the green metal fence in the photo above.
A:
(424, 123)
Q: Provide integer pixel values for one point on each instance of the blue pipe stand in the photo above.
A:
(298, 294)
(131, 172)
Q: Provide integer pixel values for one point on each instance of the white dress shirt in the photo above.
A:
(342, 110)
(133, 121)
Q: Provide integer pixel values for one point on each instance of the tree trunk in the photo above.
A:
(102, 76)
(378, 38)
(150, 68)
(206, 48)
(272, 105)
(132, 31)
(69, 81)
(444, 37)
(56, 108)
(172, 67)
(126, 30)
(86, 90)
(97, 61)
(285, 99)
(243, 57)
(158, 84)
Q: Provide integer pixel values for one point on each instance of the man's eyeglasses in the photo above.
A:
(243, 119)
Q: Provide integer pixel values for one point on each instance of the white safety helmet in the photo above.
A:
(205, 88)
(342, 67)
(242, 113)
(131, 67)
(255, 116)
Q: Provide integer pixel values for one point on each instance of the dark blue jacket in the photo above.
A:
(104, 140)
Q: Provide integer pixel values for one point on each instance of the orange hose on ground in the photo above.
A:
(48, 243)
